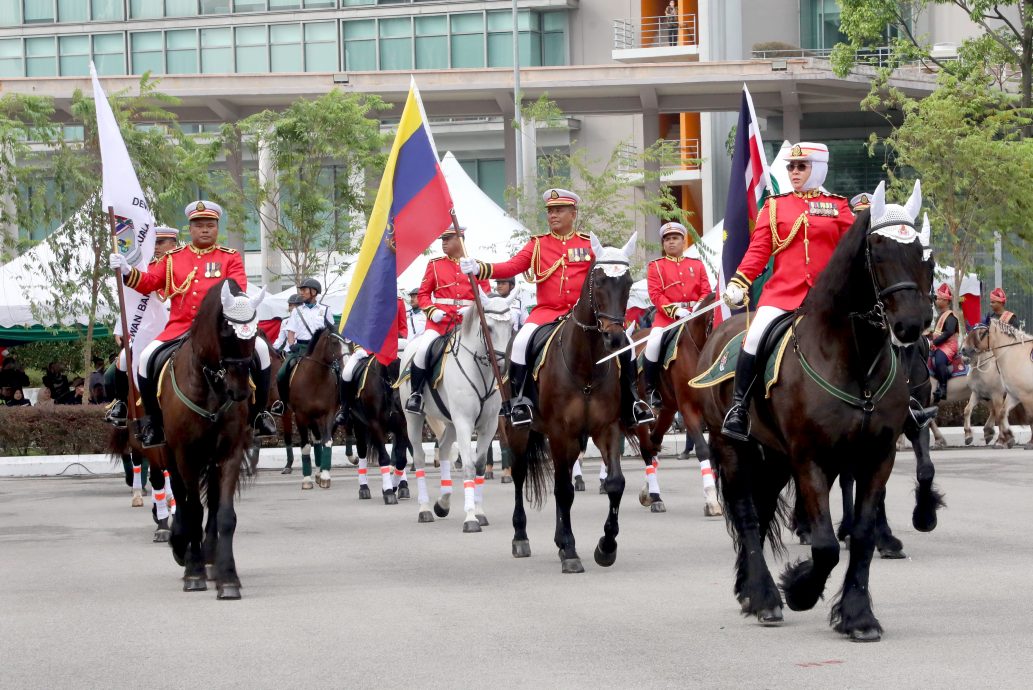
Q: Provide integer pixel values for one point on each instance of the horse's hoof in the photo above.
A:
(137, 499)
(482, 519)
(604, 559)
(353, 460)
(306, 483)
(923, 524)
(425, 516)
(579, 483)
(744, 604)
(229, 591)
(602, 486)
(772, 616)
(209, 572)
(865, 635)
(162, 535)
(712, 510)
(968, 440)
(194, 584)
(364, 493)
(287, 470)
(324, 479)
(390, 499)
(403, 491)
(521, 548)
(439, 510)
(571, 565)
(506, 479)
(657, 506)
(489, 475)
(644, 498)
(892, 554)
(471, 526)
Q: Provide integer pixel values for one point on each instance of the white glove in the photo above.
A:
(469, 265)
(116, 260)
(681, 313)
(733, 295)
(437, 316)
(463, 311)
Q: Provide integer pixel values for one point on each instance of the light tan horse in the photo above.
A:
(981, 384)
(1010, 348)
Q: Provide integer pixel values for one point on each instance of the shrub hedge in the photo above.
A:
(53, 430)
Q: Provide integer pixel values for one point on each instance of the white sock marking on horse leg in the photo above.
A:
(137, 470)
(385, 476)
(421, 487)
(468, 495)
(363, 471)
(602, 470)
(446, 478)
(654, 486)
(160, 506)
(708, 474)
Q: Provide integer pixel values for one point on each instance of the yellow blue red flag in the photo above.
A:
(412, 209)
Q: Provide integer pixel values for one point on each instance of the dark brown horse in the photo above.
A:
(313, 399)
(678, 396)
(577, 399)
(123, 445)
(204, 400)
(840, 404)
(376, 418)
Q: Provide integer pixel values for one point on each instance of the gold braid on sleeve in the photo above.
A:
(171, 289)
(536, 274)
(777, 243)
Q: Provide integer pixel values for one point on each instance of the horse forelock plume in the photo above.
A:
(205, 330)
(612, 262)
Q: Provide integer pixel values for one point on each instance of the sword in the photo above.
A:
(635, 343)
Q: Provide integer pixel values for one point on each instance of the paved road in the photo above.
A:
(340, 593)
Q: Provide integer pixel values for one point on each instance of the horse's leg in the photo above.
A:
(444, 503)
(1007, 436)
(171, 494)
(362, 448)
(159, 506)
(927, 498)
(564, 452)
(941, 442)
(754, 587)
(211, 525)
(324, 451)
(193, 518)
(852, 614)
(846, 487)
(804, 581)
(464, 442)
(414, 427)
(227, 581)
(384, 461)
(485, 436)
(967, 420)
(137, 485)
(179, 539)
(519, 446)
(288, 440)
(885, 541)
(306, 457)
(712, 508)
(608, 441)
(399, 460)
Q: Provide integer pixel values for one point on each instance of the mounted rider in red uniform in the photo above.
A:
(943, 347)
(185, 275)
(801, 230)
(558, 264)
(675, 283)
(445, 296)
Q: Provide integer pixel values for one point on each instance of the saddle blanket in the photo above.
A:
(959, 367)
(723, 367)
(668, 348)
(437, 355)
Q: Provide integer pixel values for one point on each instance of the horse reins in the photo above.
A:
(599, 315)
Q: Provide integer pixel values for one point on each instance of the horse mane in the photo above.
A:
(314, 340)
(204, 332)
(830, 290)
(1013, 332)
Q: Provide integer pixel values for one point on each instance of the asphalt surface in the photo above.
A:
(343, 593)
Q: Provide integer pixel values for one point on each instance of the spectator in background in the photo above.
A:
(43, 398)
(18, 399)
(12, 378)
(78, 390)
(671, 23)
(57, 384)
(414, 317)
(95, 379)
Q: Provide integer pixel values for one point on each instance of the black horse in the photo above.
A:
(375, 414)
(841, 403)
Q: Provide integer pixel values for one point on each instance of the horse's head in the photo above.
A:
(976, 340)
(605, 292)
(901, 276)
(499, 317)
(226, 339)
(326, 346)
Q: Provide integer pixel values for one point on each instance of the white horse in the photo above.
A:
(1010, 349)
(466, 402)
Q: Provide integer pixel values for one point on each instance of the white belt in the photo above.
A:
(452, 302)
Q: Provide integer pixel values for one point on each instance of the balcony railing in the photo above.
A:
(878, 57)
(654, 32)
(684, 156)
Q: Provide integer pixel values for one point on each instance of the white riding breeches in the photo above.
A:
(758, 326)
(120, 363)
(261, 349)
(653, 345)
(356, 358)
(422, 345)
(518, 355)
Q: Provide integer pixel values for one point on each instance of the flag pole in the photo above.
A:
(480, 310)
(131, 402)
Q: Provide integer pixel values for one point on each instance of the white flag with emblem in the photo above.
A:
(134, 224)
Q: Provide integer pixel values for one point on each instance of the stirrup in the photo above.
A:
(922, 416)
(264, 424)
(641, 413)
(520, 413)
(116, 414)
(149, 434)
(733, 433)
(277, 408)
(415, 403)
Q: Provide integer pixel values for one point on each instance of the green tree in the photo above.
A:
(323, 151)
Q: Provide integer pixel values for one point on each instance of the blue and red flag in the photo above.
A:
(412, 209)
(749, 178)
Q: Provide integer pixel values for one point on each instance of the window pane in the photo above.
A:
(41, 67)
(75, 65)
(284, 4)
(39, 47)
(395, 28)
(150, 40)
(180, 8)
(285, 33)
(109, 54)
(432, 52)
(175, 40)
(360, 56)
(182, 61)
(145, 9)
(72, 10)
(39, 11)
(107, 10)
(11, 58)
(396, 53)
(360, 29)
(554, 48)
(491, 178)
(249, 6)
(432, 26)
(216, 38)
(353, 3)
(500, 50)
(468, 51)
(74, 45)
(287, 58)
(467, 23)
(10, 12)
(530, 49)
(312, 4)
(500, 21)
(321, 57)
(251, 35)
(321, 31)
(252, 59)
(215, 6)
(217, 60)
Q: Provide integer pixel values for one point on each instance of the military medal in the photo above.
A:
(213, 269)
(823, 208)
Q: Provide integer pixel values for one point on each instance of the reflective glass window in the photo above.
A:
(39, 11)
(396, 43)
(10, 12)
(215, 6)
(145, 9)
(467, 40)
(217, 51)
(11, 58)
(249, 6)
(107, 10)
(360, 46)
(75, 56)
(181, 51)
(179, 8)
(320, 4)
(109, 53)
(252, 49)
(284, 4)
(73, 10)
(285, 48)
(146, 52)
(321, 47)
(40, 57)
(432, 42)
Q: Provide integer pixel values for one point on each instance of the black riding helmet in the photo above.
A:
(312, 284)
(295, 299)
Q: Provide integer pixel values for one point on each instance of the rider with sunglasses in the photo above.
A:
(800, 229)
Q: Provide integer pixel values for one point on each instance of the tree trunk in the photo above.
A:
(1026, 17)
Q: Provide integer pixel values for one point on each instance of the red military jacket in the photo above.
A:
(184, 276)
(674, 282)
(445, 288)
(401, 320)
(557, 265)
(801, 230)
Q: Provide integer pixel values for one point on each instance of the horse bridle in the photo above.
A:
(600, 316)
(334, 365)
(876, 316)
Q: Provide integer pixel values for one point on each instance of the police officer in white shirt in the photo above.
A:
(281, 340)
(415, 316)
(504, 287)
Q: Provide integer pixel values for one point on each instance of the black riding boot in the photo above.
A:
(518, 407)
(149, 430)
(345, 392)
(737, 420)
(283, 387)
(651, 370)
(633, 410)
(417, 377)
(261, 421)
(118, 411)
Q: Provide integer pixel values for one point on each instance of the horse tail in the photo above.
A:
(118, 443)
(538, 460)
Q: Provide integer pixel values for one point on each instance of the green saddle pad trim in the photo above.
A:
(540, 357)
(436, 375)
(670, 353)
(723, 367)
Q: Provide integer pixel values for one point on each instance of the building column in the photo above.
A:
(529, 154)
(509, 136)
(791, 121)
(650, 135)
(267, 217)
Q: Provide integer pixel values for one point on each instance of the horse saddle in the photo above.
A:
(541, 340)
(161, 356)
(772, 350)
(435, 359)
(668, 348)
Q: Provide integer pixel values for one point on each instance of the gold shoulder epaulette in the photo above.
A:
(177, 249)
(837, 196)
(228, 250)
(584, 235)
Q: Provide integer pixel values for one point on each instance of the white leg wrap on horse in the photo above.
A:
(363, 472)
(478, 490)
(385, 477)
(577, 468)
(520, 341)
(758, 326)
(602, 470)
(468, 495)
(446, 477)
(654, 485)
(707, 472)
(161, 508)
(421, 487)
(653, 345)
(137, 471)
(168, 490)
(263, 353)
(399, 477)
